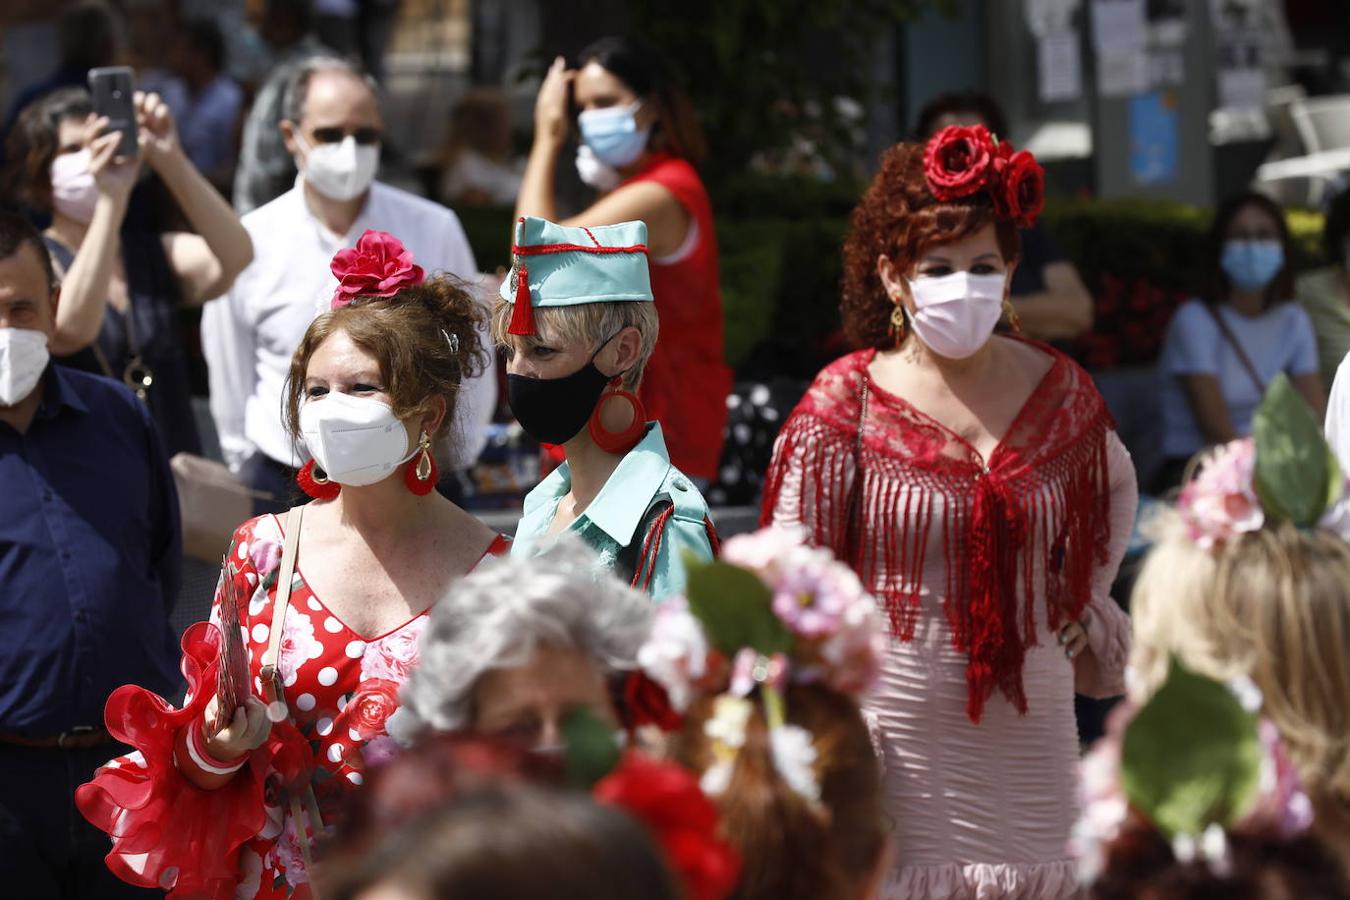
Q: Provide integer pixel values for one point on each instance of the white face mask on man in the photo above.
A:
(339, 171)
(355, 440)
(954, 315)
(23, 359)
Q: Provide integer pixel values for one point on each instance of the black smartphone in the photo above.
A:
(112, 88)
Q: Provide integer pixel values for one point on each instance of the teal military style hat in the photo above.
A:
(553, 265)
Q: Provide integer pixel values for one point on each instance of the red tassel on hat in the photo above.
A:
(522, 317)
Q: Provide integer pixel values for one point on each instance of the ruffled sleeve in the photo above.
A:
(1101, 673)
(167, 832)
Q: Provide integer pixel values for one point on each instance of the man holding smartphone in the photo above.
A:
(333, 127)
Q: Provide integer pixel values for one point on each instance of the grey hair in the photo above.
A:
(297, 83)
(496, 617)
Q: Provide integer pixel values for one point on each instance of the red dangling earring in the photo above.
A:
(420, 476)
(314, 482)
(618, 441)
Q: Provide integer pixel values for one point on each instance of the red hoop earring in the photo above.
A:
(420, 475)
(314, 482)
(618, 441)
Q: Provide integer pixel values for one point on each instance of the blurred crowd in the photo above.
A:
(873, 696)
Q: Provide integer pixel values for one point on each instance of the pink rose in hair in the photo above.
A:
(1220, 502)
(378, 266)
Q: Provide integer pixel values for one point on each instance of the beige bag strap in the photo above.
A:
(305, 805)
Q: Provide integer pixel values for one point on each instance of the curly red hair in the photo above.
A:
(899, 218)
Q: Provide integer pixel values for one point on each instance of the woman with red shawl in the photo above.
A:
(976, 484)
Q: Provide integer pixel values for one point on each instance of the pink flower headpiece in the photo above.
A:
(1284, 472)
(770, 612)
(378, 266)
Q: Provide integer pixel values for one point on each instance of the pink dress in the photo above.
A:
(982, 796)
(240, 841)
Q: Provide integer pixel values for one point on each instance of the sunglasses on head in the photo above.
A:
(335, 135)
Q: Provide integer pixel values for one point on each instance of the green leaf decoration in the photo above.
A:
(1191, 757)
(1297, 476)
(735, 608)
(591, 751)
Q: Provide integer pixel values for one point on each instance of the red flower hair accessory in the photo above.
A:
(668, 801)
(963, 160)
(378, 266)
(958, 161)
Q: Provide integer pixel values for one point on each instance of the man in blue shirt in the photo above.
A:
(89, 568)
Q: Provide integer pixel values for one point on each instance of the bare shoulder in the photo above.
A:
(1026, 360)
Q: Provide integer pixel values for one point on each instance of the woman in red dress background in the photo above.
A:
(640, 142)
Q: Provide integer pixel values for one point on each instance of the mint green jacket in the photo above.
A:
(643, 521)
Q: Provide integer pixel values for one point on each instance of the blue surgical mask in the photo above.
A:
(613, 134)
(1251, 265)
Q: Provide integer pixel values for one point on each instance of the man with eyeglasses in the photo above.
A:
(332, 127)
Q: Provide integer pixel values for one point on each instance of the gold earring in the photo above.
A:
(424, 457)
(1010, 313)
(898, 323)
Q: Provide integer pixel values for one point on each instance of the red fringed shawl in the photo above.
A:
(1046, 491)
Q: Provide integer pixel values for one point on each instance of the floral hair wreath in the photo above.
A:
(771, 612)
(1284, 472)
(962, 160)
(378, 266)
(1194, 763)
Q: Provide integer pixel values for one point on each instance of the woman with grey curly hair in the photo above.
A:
(519, 644)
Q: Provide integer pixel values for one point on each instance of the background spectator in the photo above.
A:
(122, 289)
(55, 171)
(1224, 348)
(89, 568)
(266, 169)
(1050, 298)
(333, 125)
(210, 123)
(640, 144)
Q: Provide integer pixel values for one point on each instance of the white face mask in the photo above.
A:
(23, 359)
(355, 440)
(341, 171)
(74, 191)
(595, 173)
(954, 315)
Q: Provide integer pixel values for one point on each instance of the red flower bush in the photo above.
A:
(668, 801)
(378, 266)
(958, 161)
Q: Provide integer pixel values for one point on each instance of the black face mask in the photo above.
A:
(554, 410)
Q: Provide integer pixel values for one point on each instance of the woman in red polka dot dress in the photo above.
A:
(230, 809)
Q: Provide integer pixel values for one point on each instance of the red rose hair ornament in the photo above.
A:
(378, 266)
(960, 161)
(667, 799)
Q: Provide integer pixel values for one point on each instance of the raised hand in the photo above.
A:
(550, 107)
(157, 133)
(115, 175)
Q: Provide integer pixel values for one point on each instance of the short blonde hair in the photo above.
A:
(587, 324)
(1274, 606)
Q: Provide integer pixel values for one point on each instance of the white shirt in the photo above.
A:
(250, 334)
(1338, 415)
